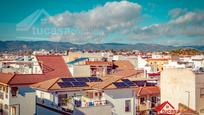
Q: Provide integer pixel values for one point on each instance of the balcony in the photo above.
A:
(1, 95)
(53, 107)
(81, 101)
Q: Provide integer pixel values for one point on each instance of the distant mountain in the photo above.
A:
(48, 45)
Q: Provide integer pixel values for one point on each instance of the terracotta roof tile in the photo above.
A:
(107, 83)
(6, 77)
(147, 90)
(183, 110)
(53, 66)
(123, 64)
(126, 72)
(45, 85)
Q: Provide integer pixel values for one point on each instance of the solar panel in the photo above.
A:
(61, 84)
(79, 84)
(140, 83)
(82, 79)
(65, 84)
(128, 82)
(68, 79)
(150, 84)
(68, 84)
(120, 84)
(94, 79)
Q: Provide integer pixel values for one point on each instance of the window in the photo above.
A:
(201, 110)
(127, 105)
(3, 88)
(1, 95)
(96, 94)
(62, 99)
(142, 100)
(13, 110)
(100, 94)
(14, 91)
(5, 106)
(154, 99)
(201, 92)
(6, 89)
(1, 108)
(153, 102)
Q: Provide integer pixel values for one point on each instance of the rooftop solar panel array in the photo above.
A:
(72, 84)
(128, 83)
(120, 84)
(77, 82)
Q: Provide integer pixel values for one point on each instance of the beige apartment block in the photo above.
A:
(182, 85)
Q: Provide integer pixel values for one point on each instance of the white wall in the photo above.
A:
(174, 83)
(45, 95)
(141, 62)
(199, 99)
(26, 100)
(117, 98)
(80, 70)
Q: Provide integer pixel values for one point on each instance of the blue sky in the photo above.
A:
(166, 22)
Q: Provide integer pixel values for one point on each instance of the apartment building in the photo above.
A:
(148, 98)
(15, 99)
(183, 86)
(88, 95)
(16, 96)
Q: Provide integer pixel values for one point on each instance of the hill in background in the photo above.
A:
(61, 46)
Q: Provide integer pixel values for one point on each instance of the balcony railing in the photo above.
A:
(78, 103)
(52, 105)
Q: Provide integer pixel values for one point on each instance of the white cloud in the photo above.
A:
(110, 17)
(188, 25)
(122, 17)
(176, 12)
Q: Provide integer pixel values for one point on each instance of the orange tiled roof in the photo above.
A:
(53, 66)
(126, 72)
(46, 85)
(107, 83)
(5, 77)
(147, 90)
(183, 109)
(108, 80)
(123, 64)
